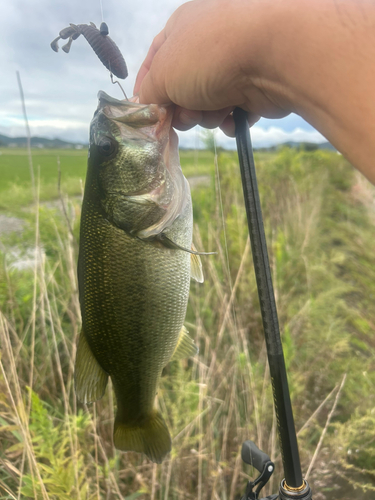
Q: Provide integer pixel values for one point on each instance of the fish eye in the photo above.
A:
(107, 146)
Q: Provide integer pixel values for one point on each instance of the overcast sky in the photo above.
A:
(60, 89)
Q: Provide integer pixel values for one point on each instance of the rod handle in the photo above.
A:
(252, 455)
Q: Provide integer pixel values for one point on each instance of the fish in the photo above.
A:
(136, 258)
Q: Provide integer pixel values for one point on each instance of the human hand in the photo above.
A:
(209, 59)
(270, 58)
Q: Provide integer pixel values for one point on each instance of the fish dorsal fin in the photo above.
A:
(89, 377)
(185, 346)
(196, 271)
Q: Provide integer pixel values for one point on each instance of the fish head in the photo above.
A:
(133, 158)
(127, 144)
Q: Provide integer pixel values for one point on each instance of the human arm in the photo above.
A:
(271, 57)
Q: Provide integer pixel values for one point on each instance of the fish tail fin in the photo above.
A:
(149, 436)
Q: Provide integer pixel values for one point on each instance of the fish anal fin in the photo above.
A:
(89, 377)
(196, 271)
(149, 436)
(185, 346)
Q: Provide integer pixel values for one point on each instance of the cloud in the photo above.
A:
(57, 84)
(261, 137)
(275, 135)
(78, 131)
(60, 89)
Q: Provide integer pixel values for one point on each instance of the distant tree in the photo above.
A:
(309, 146)
(208, 139)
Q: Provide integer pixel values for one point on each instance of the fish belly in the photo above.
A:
(133, 298)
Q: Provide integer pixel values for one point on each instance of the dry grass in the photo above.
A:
(54, 448)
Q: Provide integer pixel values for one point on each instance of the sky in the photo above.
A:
(61, 89)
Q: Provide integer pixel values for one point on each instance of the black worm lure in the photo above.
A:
(103, 46)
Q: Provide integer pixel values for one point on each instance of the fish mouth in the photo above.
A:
(151, 117)
(103, 97)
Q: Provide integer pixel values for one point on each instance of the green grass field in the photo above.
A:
(320, 225)
(14, 165)
(15, 178)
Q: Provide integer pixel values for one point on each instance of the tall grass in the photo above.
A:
(320, 236)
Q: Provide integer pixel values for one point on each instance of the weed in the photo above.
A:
(320, 239)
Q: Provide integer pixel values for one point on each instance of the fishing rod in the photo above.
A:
(293, 486)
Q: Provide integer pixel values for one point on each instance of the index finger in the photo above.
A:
(145, 67)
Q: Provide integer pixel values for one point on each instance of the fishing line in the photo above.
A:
(224, 226)
(110, 71)
(221, 210)
(101, 10)
(216, 163)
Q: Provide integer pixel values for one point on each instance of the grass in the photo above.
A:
(319, 228)
(15, 183)
(14, 167)
(15, 186)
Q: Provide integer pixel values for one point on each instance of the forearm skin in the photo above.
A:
(322, 67)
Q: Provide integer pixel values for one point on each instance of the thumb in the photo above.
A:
(152, 89)
(147, 85)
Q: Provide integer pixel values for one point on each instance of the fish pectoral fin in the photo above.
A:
(89, 377)
(196, 271)
(185, 346)
(167, 242)
(149, 436)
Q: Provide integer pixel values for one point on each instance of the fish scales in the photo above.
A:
(143, 326)
(133, 273)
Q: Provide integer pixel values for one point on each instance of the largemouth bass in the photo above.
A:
(134, 267)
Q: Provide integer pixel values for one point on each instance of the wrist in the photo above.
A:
(263, 55)
(321, 66)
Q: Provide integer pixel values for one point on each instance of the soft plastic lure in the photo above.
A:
(103, 46)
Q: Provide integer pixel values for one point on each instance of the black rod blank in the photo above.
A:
(281, 396)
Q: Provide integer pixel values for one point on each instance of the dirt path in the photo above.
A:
(10, 224)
